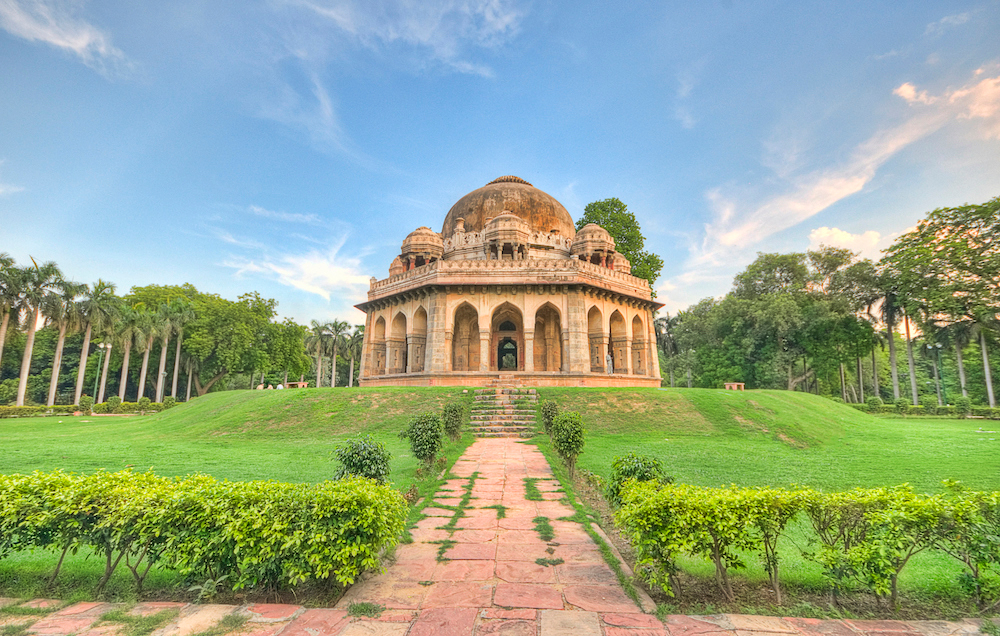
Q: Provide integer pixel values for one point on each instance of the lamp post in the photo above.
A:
(97, 374)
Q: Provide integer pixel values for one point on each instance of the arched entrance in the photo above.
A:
(397, 345)
(507, 338)
(465, 340)
(619, 342)
(598, 340)
(378, 347)
(547, 339)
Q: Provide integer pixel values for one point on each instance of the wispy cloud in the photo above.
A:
(686, 82)
(285, 217)
(869, 244)
(738, 225)
(945, 23)
(54, 22)
(442, 29)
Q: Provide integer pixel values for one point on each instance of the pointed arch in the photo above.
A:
(465, 339)
(378, 347)
(639, 349)
(416, 342)
(396, 344)
(619, 342)
(598, 339)
(507, 339)
(547, 340)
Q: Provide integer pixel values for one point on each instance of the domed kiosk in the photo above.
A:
(509, 291)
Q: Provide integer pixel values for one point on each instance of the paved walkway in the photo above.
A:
(484, 572)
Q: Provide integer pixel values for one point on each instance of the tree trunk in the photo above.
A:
(319, 371)
(689, 377)
(124, 381)
(57, 365)
(284, 381)
(961, 370)
(892, 360)
(202, 390)
(909, 355)
(986, 370)
(670, 366)
(177, 365)
(937, 382)
(875, 386)
(333, 368)
(350, 374)
(29, 344)
(3, 331)
(142, 373)
(190, 373)
(104, 375)
(162, 372)
(843, 383)
(83, 365)
(861, 383)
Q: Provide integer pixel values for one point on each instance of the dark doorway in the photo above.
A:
(507, 355)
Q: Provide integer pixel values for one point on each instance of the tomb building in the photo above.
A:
(509, 290)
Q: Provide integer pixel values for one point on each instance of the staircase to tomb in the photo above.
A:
(504, 411)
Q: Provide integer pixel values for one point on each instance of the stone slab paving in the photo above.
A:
(487, 582)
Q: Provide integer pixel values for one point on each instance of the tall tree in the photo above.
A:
(613, 216)
(352, 347)
(666, 340)
(182, 315)
(336, 331)
(61, 310)
(38, 282)
(10, 292)
(132, 331)
(98, 309)
(316, 342)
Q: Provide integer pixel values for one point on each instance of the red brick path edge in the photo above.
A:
(486, 581)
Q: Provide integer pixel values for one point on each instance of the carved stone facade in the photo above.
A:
(509, 288)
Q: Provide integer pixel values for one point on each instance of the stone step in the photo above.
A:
(524, 435)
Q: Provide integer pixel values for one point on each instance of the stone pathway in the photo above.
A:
(478, 574)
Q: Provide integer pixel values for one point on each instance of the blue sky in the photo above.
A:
(288, 146)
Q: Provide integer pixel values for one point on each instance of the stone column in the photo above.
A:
(366, 347)
(628, 356)
(577, 350)
(529, 350)
(565, 351)
(654, 358)
(484, 350)
(409, 353)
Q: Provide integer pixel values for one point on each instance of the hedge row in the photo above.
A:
(946, 411)
(127, 407)
(863, 536)
(255, 534)
(30, 411)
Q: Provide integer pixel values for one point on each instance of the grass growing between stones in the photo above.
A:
(531, 491)
(544, 529)
(139, 625)
(369, 610)
(500, 508)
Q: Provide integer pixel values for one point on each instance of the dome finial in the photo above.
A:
(509, 179)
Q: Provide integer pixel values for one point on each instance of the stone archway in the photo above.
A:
(619, 342)
(639, 354)
(465, 339)
(378, 347)
(507, 329)
(547, 339)
(397, 345)
(598, 340)
(416, 343)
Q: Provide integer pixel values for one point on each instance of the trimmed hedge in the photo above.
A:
(30, 411)
(956, 412)
(863, 536)
(257, 533)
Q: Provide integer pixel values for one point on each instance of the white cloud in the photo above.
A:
(869, 244)
(945, 23)
(687, 79)
(443, 29)
(323, 272)
(54, 22)
(285, 217)
(737, 225)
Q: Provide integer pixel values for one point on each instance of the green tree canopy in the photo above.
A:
(613, 216)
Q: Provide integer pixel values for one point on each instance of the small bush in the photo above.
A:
(424, 433)
(930, 404)
(113, 403)
(902, 405)
(365, 457)
(873, 402)
(453, 414)
(143, 404)
(169, 402)
(838, 399)
(86, 404)
(550, 409)
(964, 406)
(633, 466)
(568, 437)
(101, 409)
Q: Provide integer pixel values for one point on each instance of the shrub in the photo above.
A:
(568, 437)
(363, 456)
(633, 466)
(143, 404)
(86, 404)
(101, 409)
(873, 402)
(453, 414)
(424, 433)
(113, 403)
(902, 405)
(838, 399)
(964, 406)
(169, 402)
(550, 409)
(930, 404)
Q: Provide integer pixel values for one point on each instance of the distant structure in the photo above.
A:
(509, 291)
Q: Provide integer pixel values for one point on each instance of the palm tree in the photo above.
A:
(98, 309)
(132, 328)
(352, 346)
(108, 338)
(154, 326)
(39, 281)
(336, 330)
(10, 292)
(183, 315)
(316, 342)
(61, 309)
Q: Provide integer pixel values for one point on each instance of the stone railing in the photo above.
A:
(439, 272)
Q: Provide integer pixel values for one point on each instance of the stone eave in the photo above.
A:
(509, 274)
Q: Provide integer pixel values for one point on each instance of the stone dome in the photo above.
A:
(593, 238)
(423, 240)
(509, 194)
